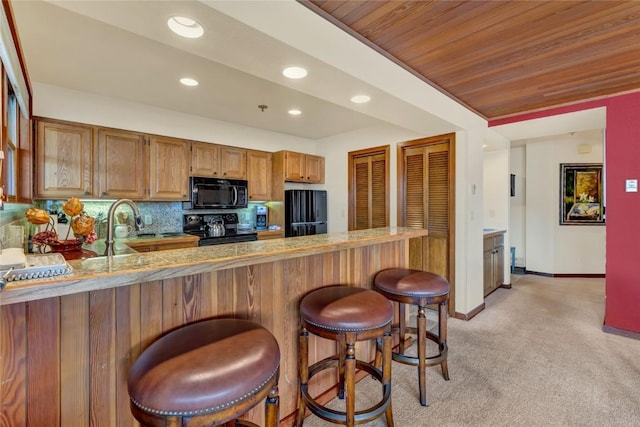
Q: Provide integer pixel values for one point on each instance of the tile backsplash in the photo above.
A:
(166, 217)
(12, 224)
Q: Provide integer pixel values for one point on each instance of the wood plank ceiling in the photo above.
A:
(503, 58)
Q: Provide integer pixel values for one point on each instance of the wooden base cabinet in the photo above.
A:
(166, 243)
(493, 262)
(270, 234)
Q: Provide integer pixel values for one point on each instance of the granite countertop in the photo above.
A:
(490, 232)
(106, 272)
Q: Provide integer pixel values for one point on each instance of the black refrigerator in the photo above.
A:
(305, 212)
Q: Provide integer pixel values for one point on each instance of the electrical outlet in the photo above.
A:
(147, 219)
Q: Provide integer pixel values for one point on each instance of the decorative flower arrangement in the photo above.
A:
(82, 225)
(585, 198)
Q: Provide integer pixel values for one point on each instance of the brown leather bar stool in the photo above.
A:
(206, 373)
(346, 315)
(421, 288)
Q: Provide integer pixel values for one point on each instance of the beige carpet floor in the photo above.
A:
(536, 356)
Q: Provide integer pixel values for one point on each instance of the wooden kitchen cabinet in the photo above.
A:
(300, 167)
(259, 175)
(218, 161)
(168, 168)
(314, 169)
(270, 234)
(205, 159)
(163, 244)
(493, 261)
(294, 166)
(233, 162)
(121, 167)
(64, 160)
(75, 160)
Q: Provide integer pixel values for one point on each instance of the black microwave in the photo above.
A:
(216, 193)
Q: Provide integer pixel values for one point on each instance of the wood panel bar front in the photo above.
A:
(65, 359)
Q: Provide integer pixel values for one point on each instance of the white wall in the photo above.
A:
(496, 186)
(518, 204)
(496, 189)
(336, 149)
(469, 210)
(65, 104)
(469, 220)
(550, 247)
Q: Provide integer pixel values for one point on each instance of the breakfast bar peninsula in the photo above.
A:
(68, 342)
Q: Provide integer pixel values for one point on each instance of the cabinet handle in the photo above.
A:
(86, 193)
(104, 193)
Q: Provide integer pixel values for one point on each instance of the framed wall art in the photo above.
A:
(581, 194)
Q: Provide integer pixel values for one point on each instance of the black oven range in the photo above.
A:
(216, 229)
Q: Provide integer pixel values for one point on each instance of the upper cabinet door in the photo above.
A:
(64, 160)
(205, 159)
(314, 169)
(294, 167)
(233, 162)
(299, 167)
(259, 175)
(168, 168)
(218, 161)
(122, 165)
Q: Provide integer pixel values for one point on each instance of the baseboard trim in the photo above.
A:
(587, 276)
(621, 332)
(471, 314)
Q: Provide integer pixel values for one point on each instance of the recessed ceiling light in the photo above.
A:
(360, 99)
(294, 72)
(295, 112)
(185, 27)
(188, 81)
(484, 145)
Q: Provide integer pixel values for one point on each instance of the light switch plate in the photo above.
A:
(147, 219)
(631, 186)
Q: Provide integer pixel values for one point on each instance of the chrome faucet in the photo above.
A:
(111, 217)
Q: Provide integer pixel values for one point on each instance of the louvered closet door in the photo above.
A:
(369, 204)
(426, 204)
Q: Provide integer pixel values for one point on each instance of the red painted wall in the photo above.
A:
(622, 162)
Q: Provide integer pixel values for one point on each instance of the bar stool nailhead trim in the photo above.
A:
(207, 410)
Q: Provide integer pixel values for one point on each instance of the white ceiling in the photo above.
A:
(124, 49)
